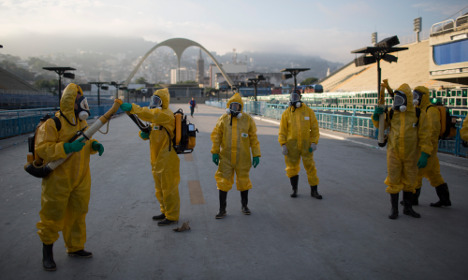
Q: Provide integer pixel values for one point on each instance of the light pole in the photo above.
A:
(379, 51)
(254, 82)
(99, 86)
(293, 73)
(61, 71)
(117, 87)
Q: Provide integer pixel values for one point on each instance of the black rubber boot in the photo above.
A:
(222, 205)
(81, 254)
(415, 200)
(314, 192)
(394, 202)
(48, 257)
(159, 217)
(444, 196)
(166, 222)
(408, 207)
(245, 201)
(294, 181)
(416, 197)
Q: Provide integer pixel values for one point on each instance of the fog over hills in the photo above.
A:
(112, 58)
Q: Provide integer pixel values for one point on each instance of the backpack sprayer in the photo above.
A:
(184, 139)
(42, 170)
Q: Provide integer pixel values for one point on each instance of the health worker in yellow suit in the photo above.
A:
(66, 191)
(234, 135)
(409, 146)
(432, 169)
(298, 136)
(164, 159)
(464, 130)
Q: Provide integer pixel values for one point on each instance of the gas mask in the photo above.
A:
(399, 101)
(155, 103)
(295, 99)
(417, 97)
(83, 111)
(235, 109)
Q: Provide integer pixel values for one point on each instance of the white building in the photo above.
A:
(182, 74)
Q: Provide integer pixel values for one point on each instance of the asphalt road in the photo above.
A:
(347, 235)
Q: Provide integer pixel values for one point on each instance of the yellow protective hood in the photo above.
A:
(165, 97)
(67, 103)
(409, 96)
(236, 98)
(425, 98)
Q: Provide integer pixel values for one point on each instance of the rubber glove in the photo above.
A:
(98, 147)
(215, 158)
(422, 162)
(74, 146)
(285, 150)
(312, 148)
(144, 135)
(255, 161)
(377, 112)
(126, 107)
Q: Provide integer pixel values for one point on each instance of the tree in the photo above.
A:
(309, 81)
(186, 82)
(47, 85)
(141, 80)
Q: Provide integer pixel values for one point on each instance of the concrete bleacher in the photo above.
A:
(412, 68)
(9, 81)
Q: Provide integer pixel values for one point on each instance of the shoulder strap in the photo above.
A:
(418, 113)
(58, 124)
(390, 114)
(168, 135)
(427, 108)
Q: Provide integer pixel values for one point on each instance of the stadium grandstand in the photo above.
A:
(15, 93)
(439, 62)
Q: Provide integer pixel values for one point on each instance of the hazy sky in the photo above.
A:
(329, 29)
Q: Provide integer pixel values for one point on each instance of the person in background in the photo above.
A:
(234, 135)
(66, 191)
(193, 104)
(165, 163)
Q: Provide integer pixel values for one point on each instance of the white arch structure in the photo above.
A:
(178, 45)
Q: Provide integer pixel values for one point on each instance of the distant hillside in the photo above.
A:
(106, 59)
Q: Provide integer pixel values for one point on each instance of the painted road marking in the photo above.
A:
(196, 194)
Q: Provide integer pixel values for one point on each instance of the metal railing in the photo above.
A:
(17, 122)
(351, 121)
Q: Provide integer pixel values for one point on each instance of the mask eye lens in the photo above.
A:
(84, 103)
(236, 107)
(295, 97)
(155, 102)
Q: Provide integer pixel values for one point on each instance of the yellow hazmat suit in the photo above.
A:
(66, 191)
(164, 162)
(464, 130)
(432, 169)
(233, 144)
(406, 140)
(298, 130)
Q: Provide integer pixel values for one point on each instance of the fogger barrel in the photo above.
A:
(381, 137)
(45, 169)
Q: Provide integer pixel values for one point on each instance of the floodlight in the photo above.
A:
(390, 58)
(388, 42)
(364, 60)
(69, 75)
